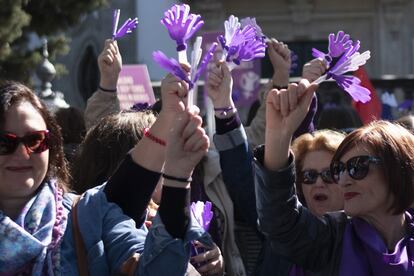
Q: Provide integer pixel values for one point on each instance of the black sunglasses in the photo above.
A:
(357, 167)
(309, 177)
(34, 142)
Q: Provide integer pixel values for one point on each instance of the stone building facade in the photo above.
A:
(382, 26)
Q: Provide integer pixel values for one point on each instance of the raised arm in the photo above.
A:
(105, 101)
(290, 228)
(231, 142)
(279, 55)
(133, 183)
(187, 144)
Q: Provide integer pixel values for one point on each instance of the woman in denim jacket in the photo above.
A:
(36, 219)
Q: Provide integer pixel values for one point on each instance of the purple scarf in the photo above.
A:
(365, 253)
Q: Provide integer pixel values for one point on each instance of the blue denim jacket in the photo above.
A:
(110, 238)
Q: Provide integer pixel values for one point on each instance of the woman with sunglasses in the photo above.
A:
(37, 231)
(374, 166)
(315, 186)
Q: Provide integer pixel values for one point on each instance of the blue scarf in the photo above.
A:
(30, 244)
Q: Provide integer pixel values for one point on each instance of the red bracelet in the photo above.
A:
(157, 140)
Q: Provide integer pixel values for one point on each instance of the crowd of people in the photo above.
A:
(109, 191)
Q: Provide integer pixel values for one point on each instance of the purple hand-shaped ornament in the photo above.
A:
(181, 24)
(204, 62)
(349, 61)
(126, 28)
(242, 44)
(171, 65)
(252, 22)
(339, 44)
(202, 213)
(251, 50)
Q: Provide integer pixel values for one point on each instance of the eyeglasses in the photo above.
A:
(309, 177)
(34, 142)
(357, 167)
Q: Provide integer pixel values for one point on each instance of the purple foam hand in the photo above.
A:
(202, 213)
(351, 85)
(252, 22)
(251, 50)
(318, 54)
(349, 61)
(339, 44)
(231, 26)
(204, 62)
(181, 25)
(171, 65)
(242, 44)
(126, 28)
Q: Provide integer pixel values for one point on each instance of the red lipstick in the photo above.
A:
(350, 195)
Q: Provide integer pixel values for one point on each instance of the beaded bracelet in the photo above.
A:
(106, 90)
(157, 140)
(224, 110)
(179, 179)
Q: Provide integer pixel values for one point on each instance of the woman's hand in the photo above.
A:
(187, 143)
(279, 55)
(314, 69)
(110, 64)
(173, 92)
(211, 262)
(219, 85)
(286, 109)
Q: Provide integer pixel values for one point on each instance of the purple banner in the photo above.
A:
(134, 86)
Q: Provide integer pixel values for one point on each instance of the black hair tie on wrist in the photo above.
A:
(278, 87)
(106, 90)
(179, 179)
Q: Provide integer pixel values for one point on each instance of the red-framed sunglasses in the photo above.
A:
(34, 142)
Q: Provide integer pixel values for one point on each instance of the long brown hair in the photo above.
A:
(106, 145)
(12, 93)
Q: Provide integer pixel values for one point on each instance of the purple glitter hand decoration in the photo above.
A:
(202, 213)
(126, 28)
(181, 25)
(171, 65)
(349, 61)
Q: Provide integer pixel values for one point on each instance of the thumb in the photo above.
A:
(225, 69)
(179, 125)
(306, 91)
